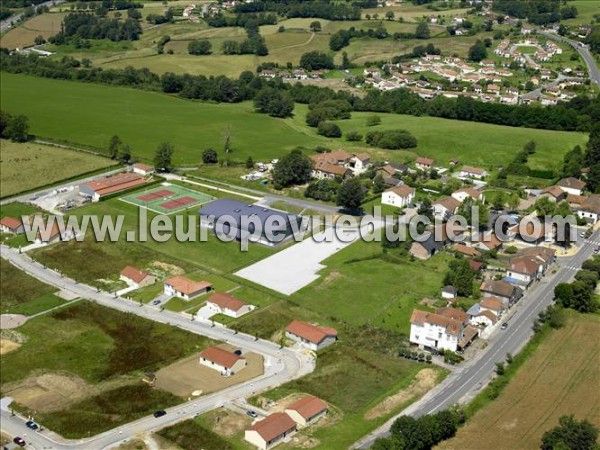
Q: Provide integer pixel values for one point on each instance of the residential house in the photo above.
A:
(441, 330)
(445, 207)
(481, 317)
(501, 289)
(572, 185)
(466, 250)
(424, 163)
(359, 163)
(486, 241)
(493, 89)
(11, 225)
(332, 165)
(312, 336)
(399, 196)
(462, 194)
(184, 288)
(270, 431)
(223, 361)
(449, 292)
(590, 209)
(307, 410)
(137, 278)
(554, 193)
(143, 169)
(227, 304)
(372, 72)
(434, 241)
(533, 231)
(545, 74)
(493, 304)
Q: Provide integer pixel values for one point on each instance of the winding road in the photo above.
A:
(583, 50)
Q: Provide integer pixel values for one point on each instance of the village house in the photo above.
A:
(270, 431)
(554, 193)
(446, 329)
(445, 207)
(462, 194)
(312, 336)
(331, 165)
(226, 304)
(466, 250)
(572, 185)
(143, 169)
(486, 241)
(307, 410)
(545, 74)
(493, 304)
(530, 264)
(501, 289)
(137, 278)
(449, 292)
(11, 225)
(184, 288)
(359, 163)
(223, 361)
(399, 196)
(481, 317)
(267, 73)
(424, 163)
(435, 241)
(590, 208)
(493, 89)
(372, 72)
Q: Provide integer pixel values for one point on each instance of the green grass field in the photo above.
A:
(24, 35)
(146, 119)
(43, 164)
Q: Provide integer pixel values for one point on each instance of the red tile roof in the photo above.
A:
(227, 301)
(453, 313)
(425, 161)
(310, 332)
(493, 303)
(220, 356)
(141, 166)
(116, 183)
(134, 274)
(452, 326)
(185, 285)
(273, 426)
(308, 406)
(11, 223)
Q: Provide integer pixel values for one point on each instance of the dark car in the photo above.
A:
(252, 413)
(31, 424)
(19, 441)
(159, 413)
(504, 325)
(238, 352)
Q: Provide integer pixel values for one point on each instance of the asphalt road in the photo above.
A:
(281, 366)
(6, 24)
(470, 378)
(583, 51)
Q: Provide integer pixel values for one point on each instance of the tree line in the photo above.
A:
(84, 25)
(323, 9)
(539, 12)
(15, 128)
(576, 115)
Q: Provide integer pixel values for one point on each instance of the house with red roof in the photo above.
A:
(11, 225)
(143, 169)
(399, 196)
(223, 361)
(137, 278)
(183, 287)
(307, 410)
(446, 329)
(314, 337)
(271, 431)
(424, 163)
(229, 305)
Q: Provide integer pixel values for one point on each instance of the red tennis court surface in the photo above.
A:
(178, 203)
(155, 195)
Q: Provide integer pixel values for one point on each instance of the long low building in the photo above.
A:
(184, 288)
(312, 336)
(102, 187)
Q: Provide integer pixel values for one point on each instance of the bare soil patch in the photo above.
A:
(168, 268)
(188, 375)
(7, 346)
(228, 423)
(424, 381)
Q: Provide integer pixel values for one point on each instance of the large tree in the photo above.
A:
(351, 194)
(570, 434)
(293, 168)
(199, 47)
(461, 276)
(114, 146)
(422, 31)
(163, 157)
(273, 102)
(478, 51)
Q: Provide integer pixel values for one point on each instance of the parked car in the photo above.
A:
(252, 413)
(238, 352)
(504, 326)
(31, 424)
(159, 413)
(156, 302)
(19, 441)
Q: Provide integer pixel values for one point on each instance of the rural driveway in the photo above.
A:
(281, 365)
(467, 380)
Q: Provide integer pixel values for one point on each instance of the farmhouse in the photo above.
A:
(228, 217)
(572, 185)
(143, 169)
(227, 304)
(473, 172)
(424, 163)
(267, 433)
(590, 208)
(11, 225)
(312, 336)
(226, 363)
(307, 410)
(503, 290)
(399, 196)
(96, 189)
(182, 287)
(135, 277)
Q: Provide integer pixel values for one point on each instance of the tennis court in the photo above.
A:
(168, 199)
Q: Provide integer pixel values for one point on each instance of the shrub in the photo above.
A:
(373, 120)
(353, 136)
(329, 129)
(391, 139)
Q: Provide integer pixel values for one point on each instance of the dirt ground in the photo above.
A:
(227, 423)
(187, 375)
(168, 268)
(7, 346)
(9, 321)
(52, 392)
(424, 381)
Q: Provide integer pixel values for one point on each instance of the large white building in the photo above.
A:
(398, 196)
(446, 329)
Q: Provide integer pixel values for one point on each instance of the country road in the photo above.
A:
(6, 24)
(469, 379)
(583, 51)
(281, 365)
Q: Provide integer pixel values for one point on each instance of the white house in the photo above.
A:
(399, 196)
(572, 185)
(445, 329)
(312, 336)
(449, 292)
(307, 410)
(445, 207)
(473, 172)
(143, 169)
(481, 317)
(424, 163)
(462, 194)
(590, 208)
(182, 287)
(227, 304)
(271, 431)
(135, 277)
(11, 225)
(358, 163)
(226, 363)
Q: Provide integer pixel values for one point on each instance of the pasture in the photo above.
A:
(559, 378)
(24, 35)
(26, 166)
(145, 119)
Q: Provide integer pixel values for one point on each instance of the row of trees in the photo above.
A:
(117, 149)
(15, 128)
(579, 295)
(323, 9)
(89, 26)
(539, 12)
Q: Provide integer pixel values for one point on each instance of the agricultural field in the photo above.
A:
(559, 378)
(24, 34)
(80, 368)
(586, 10)
(16, 299)
(44, 165)
(144, 117)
